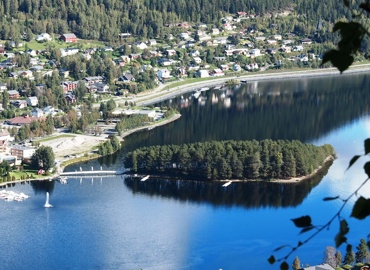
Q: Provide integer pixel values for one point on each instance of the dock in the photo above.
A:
(227, 184)
(91, 173)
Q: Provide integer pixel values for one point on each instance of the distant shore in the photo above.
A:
(160, 93)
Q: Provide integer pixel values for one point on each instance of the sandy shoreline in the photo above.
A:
(77, 145)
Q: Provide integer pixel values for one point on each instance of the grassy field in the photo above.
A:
(55, 138)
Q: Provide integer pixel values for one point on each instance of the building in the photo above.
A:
(94, 79)
(32, 101)
(323, 266)
(69, 38)
(68, 51)
(22, 120)
(203, 73)
(22, 152)
(43, 37)
(4, 140)
(13, 94)
(37, 113)
(164, 74)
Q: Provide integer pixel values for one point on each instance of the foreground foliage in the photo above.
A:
(265, 159)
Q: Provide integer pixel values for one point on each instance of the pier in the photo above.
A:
(93, 172)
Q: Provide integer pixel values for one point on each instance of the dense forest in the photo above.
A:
(217, 160)
(106, 19)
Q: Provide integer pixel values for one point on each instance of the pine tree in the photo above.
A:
(349, 258)
(338, 258)
(362, 253)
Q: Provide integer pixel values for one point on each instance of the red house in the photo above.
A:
(70, 38)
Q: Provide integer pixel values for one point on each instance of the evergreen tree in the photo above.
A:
(362, 254)
(349, 258)
(338, 258)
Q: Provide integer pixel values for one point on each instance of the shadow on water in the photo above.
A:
(246, 194)
(41, 187)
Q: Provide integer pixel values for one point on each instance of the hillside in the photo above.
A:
(106, 19)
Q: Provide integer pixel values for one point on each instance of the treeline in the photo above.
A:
(214, 160)
(109, 147)
(104, 20)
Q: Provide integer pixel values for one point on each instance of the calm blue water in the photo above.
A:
(106, 224)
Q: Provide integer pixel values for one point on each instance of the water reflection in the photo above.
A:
(304, 110)
(248, 195)
(41, 187)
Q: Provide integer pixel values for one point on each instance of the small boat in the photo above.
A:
(243, 81)
(145, 178)
(62, 180)
(204, 89)
(227, 184)
(196, 94)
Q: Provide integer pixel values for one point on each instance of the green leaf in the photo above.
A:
(330, 198)
(302, 222)
(367, 146)
(361, 209)
(306, 229)
(352, 35)
(284, 266)
(340, 59)
(343, 230)
(271, 259)
(353, 160)
(367, 168)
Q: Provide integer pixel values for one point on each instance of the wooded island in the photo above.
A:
(220, 160)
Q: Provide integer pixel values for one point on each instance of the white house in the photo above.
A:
(203, 73)
(298, 48)
(32, 101)
(49, 110)
(184, 35)
(197, 60)
(255, 52)
(141, 45)
(99, 87)
(68, 51)
(215, 31)
(37, 113)
(43, 37)
(171, 52)
(3, 87)
(217, 72)
(164, 74)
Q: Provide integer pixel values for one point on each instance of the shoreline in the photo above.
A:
(281, 181)
(161, 93)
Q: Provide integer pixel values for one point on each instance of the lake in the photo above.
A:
(122, 223)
